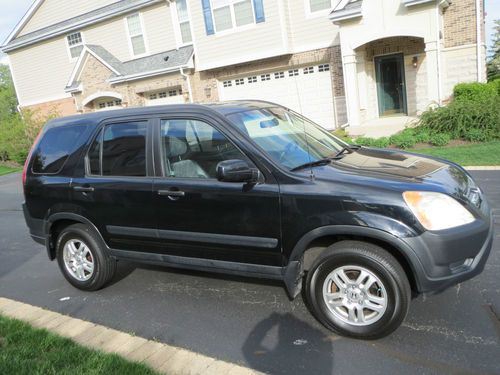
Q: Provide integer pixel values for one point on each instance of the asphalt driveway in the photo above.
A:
(252, 322)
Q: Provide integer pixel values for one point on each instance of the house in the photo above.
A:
(336, 61)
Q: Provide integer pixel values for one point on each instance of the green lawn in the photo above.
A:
(5, 170)
(30, 351)
(471, 154)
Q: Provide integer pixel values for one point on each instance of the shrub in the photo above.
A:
(403, 140)
(365, 141)
(342, 134)
(475, 91)
(476, 135)
(440, 139)
(496, 85)
(382, 142)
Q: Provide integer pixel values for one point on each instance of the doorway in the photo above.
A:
(391, 88)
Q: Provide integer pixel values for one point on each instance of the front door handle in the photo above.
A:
(172, 193)
(83, 189)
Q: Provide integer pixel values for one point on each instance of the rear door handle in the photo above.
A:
(172, 193)
(83, 189)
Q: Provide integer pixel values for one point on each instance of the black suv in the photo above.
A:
(252, 188)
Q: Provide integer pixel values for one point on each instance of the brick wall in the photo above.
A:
(460, 23)
(406, 45)
(61, 107)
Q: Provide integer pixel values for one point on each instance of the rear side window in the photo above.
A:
(119, 150)
(55, 147)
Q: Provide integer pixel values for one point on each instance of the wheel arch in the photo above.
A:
(57, 222)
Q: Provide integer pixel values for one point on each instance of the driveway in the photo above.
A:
(252, 322)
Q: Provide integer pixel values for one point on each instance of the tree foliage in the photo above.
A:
(8, 100)
(494, 60)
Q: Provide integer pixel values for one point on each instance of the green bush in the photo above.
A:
(342, 134)
(476, 135)
(475, 91)
(382, 142)
(440, 139)
(403, 140)
(496, 85)
(365, 141)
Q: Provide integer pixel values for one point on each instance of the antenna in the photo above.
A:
(303, 124)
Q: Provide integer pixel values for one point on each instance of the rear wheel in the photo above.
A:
(358, 289)
(82, 258)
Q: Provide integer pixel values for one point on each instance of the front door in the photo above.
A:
(199, 216)
(391, 84)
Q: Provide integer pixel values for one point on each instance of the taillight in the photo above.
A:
(25, 169)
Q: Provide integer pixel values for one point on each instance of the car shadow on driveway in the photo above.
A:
(276, 346)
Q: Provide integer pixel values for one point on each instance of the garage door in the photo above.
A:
(171, 96)
(306, 90)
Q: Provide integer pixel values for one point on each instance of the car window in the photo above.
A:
(192, 149)
(55, 147)
(119, 150)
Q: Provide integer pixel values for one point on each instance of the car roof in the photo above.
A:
(223, 108)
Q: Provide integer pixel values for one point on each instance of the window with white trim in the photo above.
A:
(108, 103)
(227, 83)
(293, 73)
(75, 44)
(184, 22)
(318, 5)
(279, 75)
(309, 70)
(229, 14)
(136, 35)
(239, 81)
(265, 77)
(252, 79)
(324, 68)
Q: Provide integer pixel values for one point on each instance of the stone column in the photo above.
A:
(351, 88)
(431, 58)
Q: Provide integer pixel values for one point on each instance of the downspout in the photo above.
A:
(478, 40)
(188, 80)
(438, 50)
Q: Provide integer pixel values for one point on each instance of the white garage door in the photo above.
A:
(306, 90)
(171, 96)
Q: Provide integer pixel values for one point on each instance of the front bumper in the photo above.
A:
(450, 257)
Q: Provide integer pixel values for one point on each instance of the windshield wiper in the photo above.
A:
(315, 163)
(345, 149)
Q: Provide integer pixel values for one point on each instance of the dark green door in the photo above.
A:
(391, 84)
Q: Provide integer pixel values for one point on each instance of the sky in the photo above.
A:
(12, 11)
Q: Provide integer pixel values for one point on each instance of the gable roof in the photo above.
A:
(346, 9)
(98, 15)
(160, 63)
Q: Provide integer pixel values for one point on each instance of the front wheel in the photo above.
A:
(358, 289)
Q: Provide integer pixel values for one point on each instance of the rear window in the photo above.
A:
(55, 147)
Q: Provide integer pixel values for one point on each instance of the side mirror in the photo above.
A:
(237, 171)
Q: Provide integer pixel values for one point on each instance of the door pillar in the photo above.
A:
(433, 78)
(351, 88)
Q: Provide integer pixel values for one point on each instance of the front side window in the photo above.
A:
(184, 23)
(288, 138)
(229, 14)
(317, 5)
(119, 150)
(55, 147)
(136, 35)
(75, 44)
(192, 149)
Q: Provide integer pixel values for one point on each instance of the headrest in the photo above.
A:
(176, 147)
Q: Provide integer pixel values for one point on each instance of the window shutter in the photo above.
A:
(207, 14)
(259, 11)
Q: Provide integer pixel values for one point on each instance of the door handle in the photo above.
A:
(83, 189)
(172, 193)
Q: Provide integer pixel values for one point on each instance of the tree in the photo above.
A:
(494, 60)
(8, 100)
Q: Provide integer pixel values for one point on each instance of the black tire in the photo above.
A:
(374, 259)
(104, 265)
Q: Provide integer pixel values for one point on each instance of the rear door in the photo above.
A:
(199, 216)
(116, 192)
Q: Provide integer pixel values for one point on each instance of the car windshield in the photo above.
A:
(290, 139)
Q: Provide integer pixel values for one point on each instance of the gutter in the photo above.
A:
(478, 40)
(133, 77)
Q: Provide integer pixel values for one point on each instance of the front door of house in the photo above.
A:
(391, 84)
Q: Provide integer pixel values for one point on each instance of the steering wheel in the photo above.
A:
(287, 149)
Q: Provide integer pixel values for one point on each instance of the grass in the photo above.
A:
(30, 351)
(6, 170)
(472, 154)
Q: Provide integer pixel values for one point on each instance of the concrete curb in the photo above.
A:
(160, 357)
(483, 168)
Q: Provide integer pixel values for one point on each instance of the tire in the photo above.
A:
(93, 253)
(373, 308)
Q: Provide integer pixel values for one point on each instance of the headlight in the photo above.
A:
(437, 211)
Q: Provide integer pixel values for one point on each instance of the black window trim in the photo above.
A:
(99, 131)
(160, 168)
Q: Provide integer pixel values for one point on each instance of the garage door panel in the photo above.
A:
(309, 94)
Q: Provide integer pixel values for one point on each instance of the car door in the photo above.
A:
(116, 191)
(199, 216)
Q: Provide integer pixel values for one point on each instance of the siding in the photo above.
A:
(41, 71)
(249, 44)
(310, 31)
(54, 11)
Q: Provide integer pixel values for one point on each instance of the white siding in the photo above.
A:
(252, 43)
(310, 31)
(54, 11)
(41, 72)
